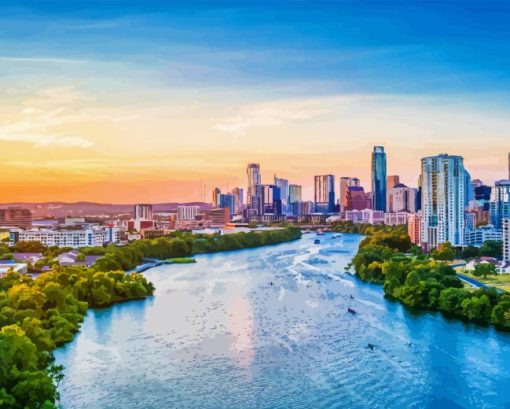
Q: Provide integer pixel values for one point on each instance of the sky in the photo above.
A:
(123, 102)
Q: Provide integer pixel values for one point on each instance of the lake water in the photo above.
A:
(269, 328)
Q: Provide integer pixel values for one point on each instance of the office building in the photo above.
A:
(401, 199)
(506, 240)
(482, 194)
(15, 217)
(218, 217)
(295, 194)
(346, 182)
(238, 200)
(500, 203)
(267, 200)
(392, 181)
(283, 185)
(215, 199)
(395, 219)
(477, 236)
(143, 212)
(254, 179)
(356, 199)
(414, 225)
(324, 193)
(227, 201)
(443, 200)
(301, 208)
(379, 178)
(185, 212)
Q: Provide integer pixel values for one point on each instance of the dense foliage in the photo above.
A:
(182, 244)
(424, 282)
(38, 315)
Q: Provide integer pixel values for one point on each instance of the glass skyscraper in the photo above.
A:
(254, 179)
(500, 203)
(324, 193)
(379, 178)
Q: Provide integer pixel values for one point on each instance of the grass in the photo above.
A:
(181, 260)
(501, 281)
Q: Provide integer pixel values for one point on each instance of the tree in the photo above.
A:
(492, 248)
(444, 252)
(484, 269)
(470, 252)
(29, 247)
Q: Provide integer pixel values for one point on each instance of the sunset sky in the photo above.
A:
(128, 102)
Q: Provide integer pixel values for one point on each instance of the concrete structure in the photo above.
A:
(295, 194)
(368, 216)
(216, 197)
(401, 198)
(74, 238)
(395, 219)
(356, 199)
(414, 225)
(392, 181)
(254, 179)
(186, 212)
(443, 200)
(324, 193)
(500, 203)
(379, 178)
(15, 217)
(143, 212)
(506, 240)
(345, 183)
(218, 217)
(239, 200)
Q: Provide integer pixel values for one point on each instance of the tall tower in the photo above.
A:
(253, 173)
(324, 193)
(443, 180)
(379, 178)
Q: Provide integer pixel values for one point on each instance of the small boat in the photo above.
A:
(317, 241)
(351, 311)
(370, 346)
(351, 297)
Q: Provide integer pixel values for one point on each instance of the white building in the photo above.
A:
(506, 240)
(186, 212)
(368, 216)
(395, 219)
(74, 238)
(401, 198)
(443, 198)
(477, 237)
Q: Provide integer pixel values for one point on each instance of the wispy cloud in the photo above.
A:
(272, 114)
(43, 60)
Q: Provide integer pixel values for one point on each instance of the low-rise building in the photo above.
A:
(16, 267)
(414, 226)
(395, 219)
(482, 234)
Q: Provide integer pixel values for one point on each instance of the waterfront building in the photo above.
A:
(227, 201)
(283, 185)
(414, 225)
(500, 203)
(353, 215)
(15, 217)
(379, 178)
(187, 212)
(216, 197)
(366, 216)
(392, 181)
(478, 236)
(74, 238)
(395, 219)
(324, 193)
(401, 199)
(295, 194)
(356, 199)
(254, 179)
(506, 240)
(143, 212)
(443, 200)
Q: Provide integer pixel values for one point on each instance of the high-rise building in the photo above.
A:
(324, 193)
(443, 200)
(186, 212)
(283, 185)
(500, 203)
(401, 199)
(253, 173)
(379, 178)
(15, 217)
(267, 200)
(506, 240)
(345, 182)
(143, 212)
(216, 197)
(295, 194)
(482, 194)
(392, 181)
(356, 199)
(509, 165)
(414, 226)
(239, 202)
(227, 201)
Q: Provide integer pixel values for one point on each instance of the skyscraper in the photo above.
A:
(443, 180)
(283, 184)
(391, 181)
(227, 200)
(239, 202)
(267, 200)
(253, 173)
(345, 182)
(216, 196)
(401, 199)
(324, 193)
(295, 194)
(500, 203)
(379, 178)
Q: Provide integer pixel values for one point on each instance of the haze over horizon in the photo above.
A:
(150, 102)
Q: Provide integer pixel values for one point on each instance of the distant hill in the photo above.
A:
(62, 209)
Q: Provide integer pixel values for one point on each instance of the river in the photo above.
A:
(269, 328)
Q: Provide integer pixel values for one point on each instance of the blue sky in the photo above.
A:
(148, 92)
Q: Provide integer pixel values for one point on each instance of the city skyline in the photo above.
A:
(309, 95)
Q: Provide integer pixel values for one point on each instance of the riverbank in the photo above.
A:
(387, 257)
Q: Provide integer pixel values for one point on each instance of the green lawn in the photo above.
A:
(501, 281)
